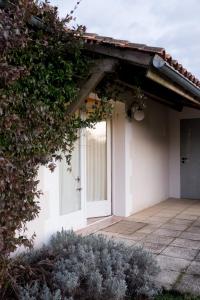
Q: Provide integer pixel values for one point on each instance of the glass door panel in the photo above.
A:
(98, 170)
(70, 196)
(71, 207)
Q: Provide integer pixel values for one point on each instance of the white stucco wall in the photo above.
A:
(174, 151)
(141, 177)
(40, 225)
(145, 168)
(49, 220)
(118, 160)
(147, 158)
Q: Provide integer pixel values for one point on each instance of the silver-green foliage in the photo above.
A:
(90, 268)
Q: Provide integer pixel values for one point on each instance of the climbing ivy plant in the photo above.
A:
(41, 67)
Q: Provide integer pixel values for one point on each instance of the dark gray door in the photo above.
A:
(190, 158)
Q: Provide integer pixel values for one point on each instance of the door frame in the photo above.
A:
(98, 208)
(77, 219)
(183, 159)
(52, 186)
(174, 131)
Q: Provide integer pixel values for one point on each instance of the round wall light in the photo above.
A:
(139, 115)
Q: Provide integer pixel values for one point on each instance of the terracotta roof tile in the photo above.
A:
(92, 38)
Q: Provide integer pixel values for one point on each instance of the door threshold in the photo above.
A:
(99, 224)
(91, 221)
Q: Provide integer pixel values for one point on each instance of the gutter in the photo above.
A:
(168, 83)
(163, 67)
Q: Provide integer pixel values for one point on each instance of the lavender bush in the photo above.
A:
(73, 267)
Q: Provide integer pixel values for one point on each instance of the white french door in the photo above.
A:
(98, 170)
(71, 196)
(85, 191)
(65, 193)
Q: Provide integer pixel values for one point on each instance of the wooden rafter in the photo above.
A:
(97, 73)
(176, 106)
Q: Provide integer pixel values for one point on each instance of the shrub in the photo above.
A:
(85, 268)
(38, 83)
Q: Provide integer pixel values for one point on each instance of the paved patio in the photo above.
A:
(171, 231)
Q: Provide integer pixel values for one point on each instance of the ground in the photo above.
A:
(176, 296)
(171, 231)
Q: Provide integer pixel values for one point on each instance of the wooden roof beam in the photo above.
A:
(97, 73)
(143, 59)
(176, 106)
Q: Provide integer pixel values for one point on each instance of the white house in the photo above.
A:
(123, 165)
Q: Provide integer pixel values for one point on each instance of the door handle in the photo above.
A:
(78, 179)
(184, 159)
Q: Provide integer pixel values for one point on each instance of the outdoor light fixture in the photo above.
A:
(139, 115)
(137, 110)
(136, 106)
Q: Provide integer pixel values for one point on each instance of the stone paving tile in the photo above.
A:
(177, 205)
(106, 233)
(180, 221)
(186, 217)
(179, 227)
(125, 227)
(196, 223)
(167, 232)
(175, 209)
(166, 213)
(179, 252)
(171, 232)
(193, 211)
(157, 220)
(137, 236)
(190, 236)
(197, 258)
(194, 229)
(148, 229)
(189, 284)
(152, 209)
(145, 214)
(99, 226)
(137, 220)
(154, 248)
(194, 268)
(185, 243)
(153, 238)
(126, 242)
(167, 278)
(172, 263)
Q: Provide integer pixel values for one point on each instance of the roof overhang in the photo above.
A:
(164, 68)
(157, 69)
(167, 82)
(138, 58)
